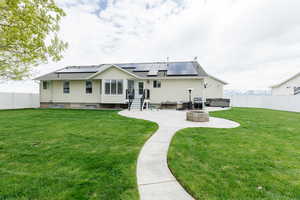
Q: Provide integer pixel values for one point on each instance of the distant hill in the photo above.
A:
(247, 92)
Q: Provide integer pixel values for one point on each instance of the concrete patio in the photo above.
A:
(155, 181)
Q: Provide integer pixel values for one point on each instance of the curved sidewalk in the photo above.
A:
(155, 181)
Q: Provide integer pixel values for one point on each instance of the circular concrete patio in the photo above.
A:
(155, 181)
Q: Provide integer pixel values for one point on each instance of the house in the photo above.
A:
(290, 86)
(109, 85)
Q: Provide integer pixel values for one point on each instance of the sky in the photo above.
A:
(251, 44)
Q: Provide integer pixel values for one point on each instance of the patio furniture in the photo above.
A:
(185, 105)
(198, 103)
(217, 102)
(168, 105)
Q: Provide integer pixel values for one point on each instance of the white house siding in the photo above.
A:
(214, 88)
(287, 88)
(175, 90)
(114, 73)
(77, 92)
(46, 95)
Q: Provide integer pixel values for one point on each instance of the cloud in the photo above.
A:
(250, 44)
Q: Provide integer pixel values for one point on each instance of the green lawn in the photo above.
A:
(69, 154)
(258, 160)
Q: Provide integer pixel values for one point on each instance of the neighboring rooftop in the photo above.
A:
(287, 80)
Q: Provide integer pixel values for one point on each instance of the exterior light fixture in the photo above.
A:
(190, 97)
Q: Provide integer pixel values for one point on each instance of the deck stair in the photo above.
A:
(136, 104)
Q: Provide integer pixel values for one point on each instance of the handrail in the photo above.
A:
(130, 103)
(146, 95)
(142, 100)
(130, 96)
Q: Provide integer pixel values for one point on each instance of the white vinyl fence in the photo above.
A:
(288, 103)
(19, 100)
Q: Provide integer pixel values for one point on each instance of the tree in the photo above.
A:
(28, 36)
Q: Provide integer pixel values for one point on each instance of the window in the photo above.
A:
(156, 84)
(141, 88)
(107, 87)
(114, 87)
(130, 84)
(89, 87)
(45, 85)
(120, 86)
(66, 87)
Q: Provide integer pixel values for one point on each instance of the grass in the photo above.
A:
(69, 154)
(258, 160)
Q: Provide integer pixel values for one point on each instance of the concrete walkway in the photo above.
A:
(155, 181)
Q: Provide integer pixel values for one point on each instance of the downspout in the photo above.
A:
(203, 94)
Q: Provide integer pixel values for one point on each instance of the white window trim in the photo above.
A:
(63, 84)
(86, 88)
(110, 80)
(47, 85)
(156, 83)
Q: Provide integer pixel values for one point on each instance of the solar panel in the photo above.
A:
(172, 68)
(127, 66)
(181, 68)
(79, 69)
(144, 67)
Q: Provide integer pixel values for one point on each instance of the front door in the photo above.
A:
(130, 93)
(140, 89)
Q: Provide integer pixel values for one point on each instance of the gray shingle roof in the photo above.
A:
(64, 76)
(143, 70)
(287, 80)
